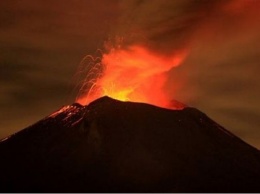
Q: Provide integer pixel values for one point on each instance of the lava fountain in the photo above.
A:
(130, 74)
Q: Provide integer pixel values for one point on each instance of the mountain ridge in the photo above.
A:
(114, 146)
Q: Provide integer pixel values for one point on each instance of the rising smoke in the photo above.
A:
(214, 44)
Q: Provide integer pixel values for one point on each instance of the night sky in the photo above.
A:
(43, 41)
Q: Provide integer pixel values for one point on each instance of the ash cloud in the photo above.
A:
(220, 73)
(164, 25)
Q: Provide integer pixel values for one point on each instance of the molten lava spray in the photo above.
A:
(131, 74)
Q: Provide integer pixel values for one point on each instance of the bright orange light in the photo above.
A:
(134, 74)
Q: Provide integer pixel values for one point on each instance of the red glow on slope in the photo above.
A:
(134, 74)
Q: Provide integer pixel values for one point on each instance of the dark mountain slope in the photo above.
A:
(113, 146)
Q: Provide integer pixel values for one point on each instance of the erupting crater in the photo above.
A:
(131, 74)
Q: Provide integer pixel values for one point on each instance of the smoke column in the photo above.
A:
(203, 53)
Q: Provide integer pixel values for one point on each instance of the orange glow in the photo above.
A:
(133, 74)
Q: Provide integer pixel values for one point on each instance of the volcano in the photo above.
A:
(114, 146)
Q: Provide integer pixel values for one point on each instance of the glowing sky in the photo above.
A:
(43, 41)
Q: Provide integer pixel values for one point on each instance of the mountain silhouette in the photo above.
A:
(114, 146)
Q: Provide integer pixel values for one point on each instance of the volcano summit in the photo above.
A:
(114, 146)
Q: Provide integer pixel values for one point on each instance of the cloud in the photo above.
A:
(42, 43)
(220, 73)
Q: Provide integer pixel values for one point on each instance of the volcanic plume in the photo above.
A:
(139, 63)
(115, 146)
(133, 73)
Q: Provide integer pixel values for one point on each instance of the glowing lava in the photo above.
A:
(133, 74)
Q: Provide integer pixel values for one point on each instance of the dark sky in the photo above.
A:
(43, 41)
